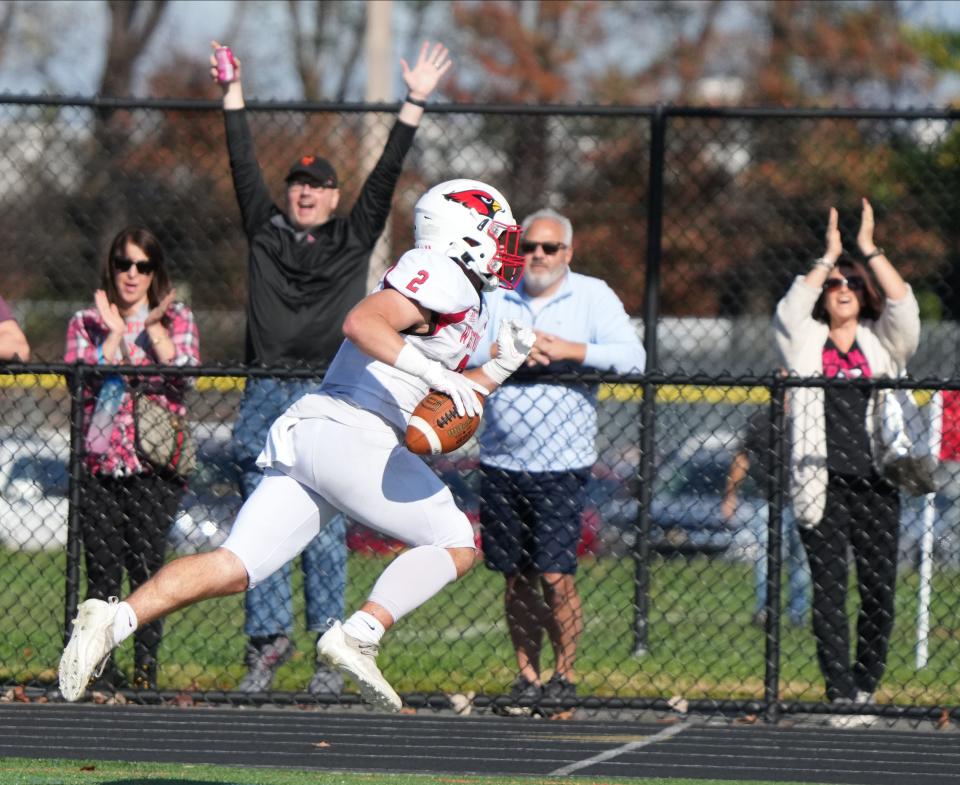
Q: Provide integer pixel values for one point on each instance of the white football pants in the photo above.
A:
(355, 463)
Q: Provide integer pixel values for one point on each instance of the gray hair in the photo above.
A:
(551, 215)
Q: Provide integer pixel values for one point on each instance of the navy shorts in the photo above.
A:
(531, 520)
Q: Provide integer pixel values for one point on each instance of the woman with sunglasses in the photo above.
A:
(127, 505)
(836, 322)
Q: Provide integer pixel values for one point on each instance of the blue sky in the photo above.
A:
(75, 66)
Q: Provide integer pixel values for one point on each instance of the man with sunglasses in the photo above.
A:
(537, 449)
(307, 268)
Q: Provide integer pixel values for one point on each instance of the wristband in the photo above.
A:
(822, 262)
(416, 101)
(496, 370)
(411, 360)
(877, 252)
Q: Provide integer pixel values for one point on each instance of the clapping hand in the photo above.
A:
(109, 313)
(156, 314)
(865, 235)
(431, 65)
(834, 243)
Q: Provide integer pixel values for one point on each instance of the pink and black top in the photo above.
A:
(86, 334)
(845, 409)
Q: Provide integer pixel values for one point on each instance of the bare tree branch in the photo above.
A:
(352, 57)
(126, 42)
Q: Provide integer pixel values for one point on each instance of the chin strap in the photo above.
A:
(472, 275)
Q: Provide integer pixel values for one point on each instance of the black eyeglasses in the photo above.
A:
(122, 265)
(529, 246)
(854, 283)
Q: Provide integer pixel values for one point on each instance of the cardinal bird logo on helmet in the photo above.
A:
(475, 199)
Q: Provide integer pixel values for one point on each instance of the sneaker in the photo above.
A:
(524, 698)
(325, 681)
(561, 690)
(358, 660)
(263, 657)
(89, 647)
(851, 720)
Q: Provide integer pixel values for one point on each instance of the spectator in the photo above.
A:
(126, 504)
(13, 343)
(307, 268)
(408, 336)
(751, 459)
(834, 322)
(537, 449)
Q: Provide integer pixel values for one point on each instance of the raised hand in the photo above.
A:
(865, 235)
(834, 243)
(431, 65)
(213, 67)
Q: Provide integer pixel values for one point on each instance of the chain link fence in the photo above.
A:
(698, 219)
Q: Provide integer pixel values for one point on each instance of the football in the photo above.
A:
(435, 426)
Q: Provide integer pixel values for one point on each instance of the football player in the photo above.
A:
(341, 447)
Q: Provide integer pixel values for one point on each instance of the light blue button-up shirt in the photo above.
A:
(553, 427)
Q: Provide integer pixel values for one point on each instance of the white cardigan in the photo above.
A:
(887, 343)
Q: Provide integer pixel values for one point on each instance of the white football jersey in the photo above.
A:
(438, 284)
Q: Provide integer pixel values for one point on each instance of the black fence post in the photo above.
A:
(651, 312)
(75, 382)
(776, 495)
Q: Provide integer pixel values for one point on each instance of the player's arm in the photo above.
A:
(374, 327)
(375, 324)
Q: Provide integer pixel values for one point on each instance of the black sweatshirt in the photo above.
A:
(302, 284)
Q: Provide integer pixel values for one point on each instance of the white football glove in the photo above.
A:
(514, 343)
(460, 389)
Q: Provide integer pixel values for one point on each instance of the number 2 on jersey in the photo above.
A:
(416, 283)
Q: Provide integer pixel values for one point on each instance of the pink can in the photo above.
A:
(226, 65)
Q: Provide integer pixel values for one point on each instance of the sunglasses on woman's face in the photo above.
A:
(854, 283)
(121, 264)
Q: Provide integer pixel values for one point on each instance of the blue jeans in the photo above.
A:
(269, 606)
(794, 559)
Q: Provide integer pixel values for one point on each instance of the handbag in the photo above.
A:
(910, 436)
(163, 437)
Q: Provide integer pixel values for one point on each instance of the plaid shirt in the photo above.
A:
(86, 334)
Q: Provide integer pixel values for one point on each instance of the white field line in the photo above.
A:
(666, 733)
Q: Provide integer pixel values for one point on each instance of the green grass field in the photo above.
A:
(26, 771)
(701, 644)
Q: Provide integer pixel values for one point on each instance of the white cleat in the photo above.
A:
(89, 647)
(358, 661)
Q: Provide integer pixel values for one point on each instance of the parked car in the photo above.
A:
(685, 517)
(685, 508)
(212, 498)
(34, 486)
(33, 498)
